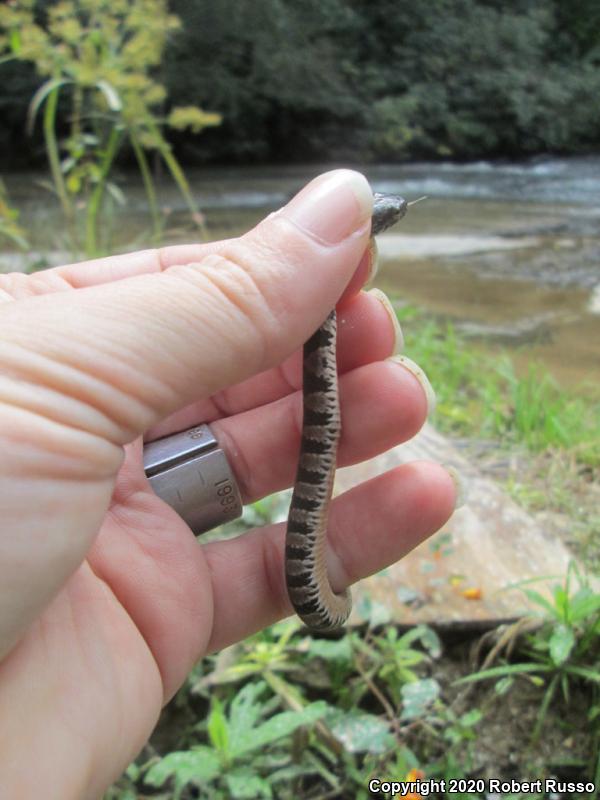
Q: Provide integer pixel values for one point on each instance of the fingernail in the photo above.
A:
(385, 302)
(333, 206)
(416, 370)
(373, 260)
(461, 491)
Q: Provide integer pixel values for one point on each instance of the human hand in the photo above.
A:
(106, 598)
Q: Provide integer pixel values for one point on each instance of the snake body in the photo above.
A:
(306, 574)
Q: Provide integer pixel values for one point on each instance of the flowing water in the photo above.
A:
(510, 253)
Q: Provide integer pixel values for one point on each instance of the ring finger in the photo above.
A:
(370, 527)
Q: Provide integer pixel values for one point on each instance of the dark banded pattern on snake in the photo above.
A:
(306, 541)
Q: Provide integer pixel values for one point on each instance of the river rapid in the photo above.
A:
(509, 252)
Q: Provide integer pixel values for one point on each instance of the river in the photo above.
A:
(509, 252)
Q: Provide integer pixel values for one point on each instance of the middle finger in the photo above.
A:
(382, 404)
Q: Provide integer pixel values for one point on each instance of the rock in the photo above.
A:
(465, 572)
(404, 245)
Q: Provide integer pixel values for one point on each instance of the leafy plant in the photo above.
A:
(241, 761)
(563, 651)
(98, 56)
(381, 80)
(388, 664)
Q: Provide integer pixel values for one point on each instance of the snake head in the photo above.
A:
(388, 209)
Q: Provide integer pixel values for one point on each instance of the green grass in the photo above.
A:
(480, 394)
(548, 438)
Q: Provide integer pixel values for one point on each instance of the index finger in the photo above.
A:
(97, 271)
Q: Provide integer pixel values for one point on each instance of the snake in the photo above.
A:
(308, 587)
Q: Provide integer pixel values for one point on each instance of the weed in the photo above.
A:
(492, 401)
(562, 652)
(98, 57)
(244, 748)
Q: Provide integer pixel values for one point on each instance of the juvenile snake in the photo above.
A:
(306, 574)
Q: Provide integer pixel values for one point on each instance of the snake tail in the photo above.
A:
(306, 572)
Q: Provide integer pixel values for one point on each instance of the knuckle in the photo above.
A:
(242, 293)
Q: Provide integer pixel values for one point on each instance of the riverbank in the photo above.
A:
(539, 441)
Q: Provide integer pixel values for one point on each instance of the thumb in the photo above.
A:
(137, 349)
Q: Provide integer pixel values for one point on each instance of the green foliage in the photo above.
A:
(276, 72)
(390, 711)
(98, 56)
(476, 397)
(396, 658)
(562, 651)
(10, 230)
(249, 747)
(249, 752)
(386, 80)
(343, 79)
(360, 732)
(395, 125)
(554, 433)
(239, 759)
